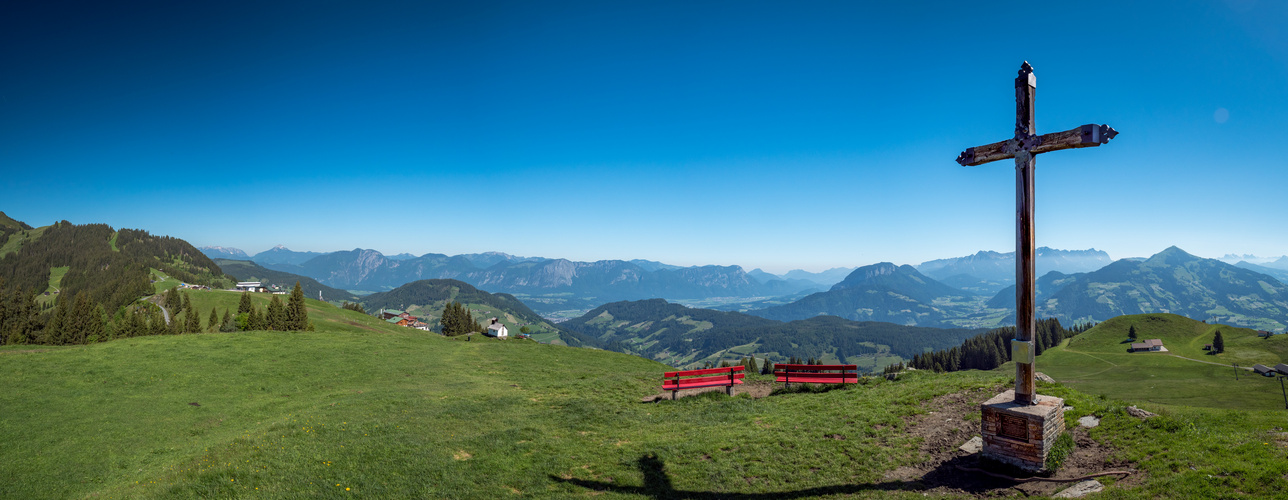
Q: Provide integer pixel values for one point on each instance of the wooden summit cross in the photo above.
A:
(1024, 147)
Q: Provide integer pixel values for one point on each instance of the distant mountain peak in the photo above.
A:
(218, 252)
(280, 246)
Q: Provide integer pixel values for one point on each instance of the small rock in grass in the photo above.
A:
(1079, 490)
(1068, 408)
(1089, 421)
(1043, 377)
(1139, 413)
(973, 446)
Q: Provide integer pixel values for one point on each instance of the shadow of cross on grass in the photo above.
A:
(658, 485)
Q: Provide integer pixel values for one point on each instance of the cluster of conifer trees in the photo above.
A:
(989, 350)
(291, 316)
(457, 320)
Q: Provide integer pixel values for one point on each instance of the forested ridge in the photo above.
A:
(106, 272)
(435, 291)
(991, 349)
(426, 292)
(676, 328)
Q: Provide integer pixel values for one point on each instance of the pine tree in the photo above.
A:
(1218, 343)
(192, 321)
(97, 326)
(276, 315)
(212, 324)
(297, 313)
(258, 320)
(172, 302)
(1131, 332)
(227, 324)
(767, 368)
(244, 306)
(187, 302)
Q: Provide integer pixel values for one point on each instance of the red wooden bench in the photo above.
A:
(816, 374)
(710, 377)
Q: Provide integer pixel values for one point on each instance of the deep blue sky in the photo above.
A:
(776, 135)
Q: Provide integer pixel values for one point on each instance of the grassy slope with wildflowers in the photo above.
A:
(362, 409)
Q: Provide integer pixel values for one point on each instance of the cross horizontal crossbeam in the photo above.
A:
(1086, 136)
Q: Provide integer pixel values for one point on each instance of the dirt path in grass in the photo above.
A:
(1209, 362)
(953, 419)
(156, 299)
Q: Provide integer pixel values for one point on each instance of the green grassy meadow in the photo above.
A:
(363, 409)
(1098, 362)
(16, 240)
(161, 282)
(55, 282)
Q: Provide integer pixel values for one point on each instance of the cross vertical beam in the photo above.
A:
(1024, 146)
(1026, 86)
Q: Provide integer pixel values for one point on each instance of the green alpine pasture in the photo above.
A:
(1098, 362)
(360, 409)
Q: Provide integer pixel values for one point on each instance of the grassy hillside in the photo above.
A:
(427, 298)
(1097, 362)
(360, 409)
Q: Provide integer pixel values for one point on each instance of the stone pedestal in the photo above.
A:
(1021, 435)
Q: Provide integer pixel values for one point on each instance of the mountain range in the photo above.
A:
(974, 291)
(1171, 281)
(681, 336)
(882, 292)
(987, 272)
(1176, 282)
(545, 284)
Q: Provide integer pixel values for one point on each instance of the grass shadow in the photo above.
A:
(800, 388)
(657, 484)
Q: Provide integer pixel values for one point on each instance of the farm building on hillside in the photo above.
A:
(398, 321)
(251, 286)
(1282, 368)
(1149, 345)
(1263, 370)
(391, 313)
(496, 329)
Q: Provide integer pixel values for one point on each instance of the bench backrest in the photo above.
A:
(704, 371)
(707, 374)
(817, 373)
(806, 368)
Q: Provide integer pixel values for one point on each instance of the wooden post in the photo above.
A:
(1025, 164)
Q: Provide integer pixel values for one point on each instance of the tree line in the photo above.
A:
(993, 348)
(77, 319)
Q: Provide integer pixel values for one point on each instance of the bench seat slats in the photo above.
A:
(724, 379)
(820, 378)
